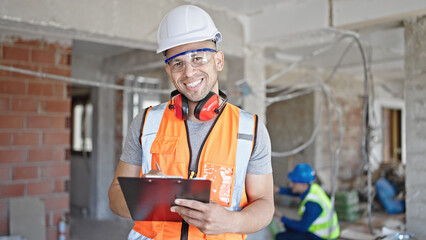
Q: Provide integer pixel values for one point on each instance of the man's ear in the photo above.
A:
(219, 60)
(166, 66)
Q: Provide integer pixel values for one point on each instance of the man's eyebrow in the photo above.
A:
(176, 59)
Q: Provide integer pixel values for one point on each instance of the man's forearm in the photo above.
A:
(117, 204)
(254, 217)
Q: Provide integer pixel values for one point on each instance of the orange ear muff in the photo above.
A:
(206, 109)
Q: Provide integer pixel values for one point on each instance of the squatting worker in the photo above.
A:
(198, 134)
(315, 208)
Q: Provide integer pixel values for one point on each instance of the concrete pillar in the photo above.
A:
(103, 160)
(415, 105)
(254, 75)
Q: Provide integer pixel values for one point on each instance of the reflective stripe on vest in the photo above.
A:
(245, 142)
(149, 133)
(321, 226)
(243, 145)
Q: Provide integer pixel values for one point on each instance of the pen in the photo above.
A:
(158, 166)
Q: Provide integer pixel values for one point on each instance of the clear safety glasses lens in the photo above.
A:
(196, 58)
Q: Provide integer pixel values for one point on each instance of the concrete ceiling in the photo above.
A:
(291, 30)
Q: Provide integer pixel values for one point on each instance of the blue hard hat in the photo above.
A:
(302, 173)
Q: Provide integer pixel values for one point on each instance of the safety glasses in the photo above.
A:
(196, 58)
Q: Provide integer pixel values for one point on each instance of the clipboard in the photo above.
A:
(150, 199)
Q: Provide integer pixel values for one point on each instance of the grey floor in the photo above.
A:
(86, 229)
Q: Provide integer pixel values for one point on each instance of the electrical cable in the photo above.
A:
(308, 142)
(367, 100)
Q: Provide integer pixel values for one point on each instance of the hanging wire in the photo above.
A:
(84, 82)
(366, 123)
(306, 58)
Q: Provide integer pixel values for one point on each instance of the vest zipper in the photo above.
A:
(185, 226)
(193, 173)
(204, 141)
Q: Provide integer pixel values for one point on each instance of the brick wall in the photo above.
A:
(34, 128)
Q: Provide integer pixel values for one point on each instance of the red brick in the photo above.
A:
(57, 203)
(4, 227)
(15, 53)
(59, 90)
(4, 206)
(25, 172)
(68, 122)
(58, 106)
(56, 170)
(59, 186)
(49, 122)
(43, 56)
(5, 73)
(4, 174)
(25, 66)
(67, 154)
(24, 105)
(65, 59)
(58, 46)
(12, 87)
(4, 104)
(57, 216)
(39, 188)
(65, 71)
(5, 139)
(31, 43)
(40, 89)
(40, 155)
(12, 156)
(56, 138)
(12, 190)
(59, 154)
(26, 139)
(11, 121)
(52, 233)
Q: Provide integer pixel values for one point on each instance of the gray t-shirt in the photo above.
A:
(260, 160)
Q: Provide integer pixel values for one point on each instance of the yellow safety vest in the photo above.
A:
(321, 225)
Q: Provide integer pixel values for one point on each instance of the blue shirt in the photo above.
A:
(312, 212)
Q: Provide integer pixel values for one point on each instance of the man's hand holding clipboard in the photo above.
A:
(151, 197)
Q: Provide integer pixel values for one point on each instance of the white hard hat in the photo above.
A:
(186, 24)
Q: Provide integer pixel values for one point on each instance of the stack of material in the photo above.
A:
(346, 205)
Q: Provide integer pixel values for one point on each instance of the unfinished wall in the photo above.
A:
(415, 105)
(348, 92)
(290, 124)
(34, 128)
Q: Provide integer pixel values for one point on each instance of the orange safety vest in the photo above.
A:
(223, 158)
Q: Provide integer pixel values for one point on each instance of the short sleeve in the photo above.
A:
(260, 160)
(132, 150)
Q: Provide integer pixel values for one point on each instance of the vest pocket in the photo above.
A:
(222, 178)
(163, 151)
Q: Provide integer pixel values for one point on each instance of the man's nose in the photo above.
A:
(189, 69)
